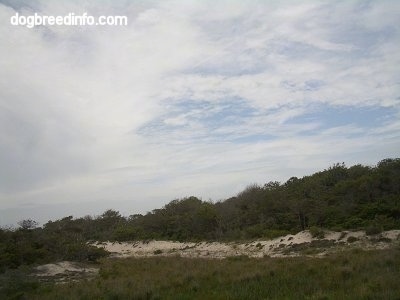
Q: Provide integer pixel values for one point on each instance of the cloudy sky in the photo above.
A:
(191, 98)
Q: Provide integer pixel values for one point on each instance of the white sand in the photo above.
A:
(63, 268)
(277, 247)
(392, 234)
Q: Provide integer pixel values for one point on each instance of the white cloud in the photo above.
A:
(190, 98)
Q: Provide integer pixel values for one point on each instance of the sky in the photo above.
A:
(197, 98)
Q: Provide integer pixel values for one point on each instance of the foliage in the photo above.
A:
(59, 240)
(339, 197)
(372, 230)
(28, 224)
(317, 232)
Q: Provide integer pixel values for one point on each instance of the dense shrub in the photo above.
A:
(316, 232)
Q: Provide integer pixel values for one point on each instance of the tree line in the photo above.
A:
(337, 198)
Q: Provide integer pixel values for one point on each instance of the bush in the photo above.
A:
(95, 253)
(352, 239)
(317, 232)
(259, 246)
(274, 233)
(373, 230)
(124, 234)
(255, 231)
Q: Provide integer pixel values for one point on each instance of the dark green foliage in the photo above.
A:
(352, 239)
(372, 230)
(59, 240)
(317, 232)
(338, 198)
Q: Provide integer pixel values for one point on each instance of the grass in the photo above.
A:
(354, 274)
(313, 248)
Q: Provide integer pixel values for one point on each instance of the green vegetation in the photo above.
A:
(317, 232)
(337, 198)
(61, 240)
(348, 275)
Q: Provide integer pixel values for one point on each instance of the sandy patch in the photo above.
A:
(64, 271)
(289, 245)
(392, 234)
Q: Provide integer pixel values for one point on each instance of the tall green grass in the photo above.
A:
(352, 274)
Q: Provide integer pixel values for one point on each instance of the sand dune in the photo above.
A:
(289, 245)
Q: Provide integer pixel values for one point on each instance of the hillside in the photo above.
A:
(338, 198)
(322, 215)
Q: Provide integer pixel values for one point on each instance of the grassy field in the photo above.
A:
(354, 274)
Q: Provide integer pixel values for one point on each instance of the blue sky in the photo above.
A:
(191, 98)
